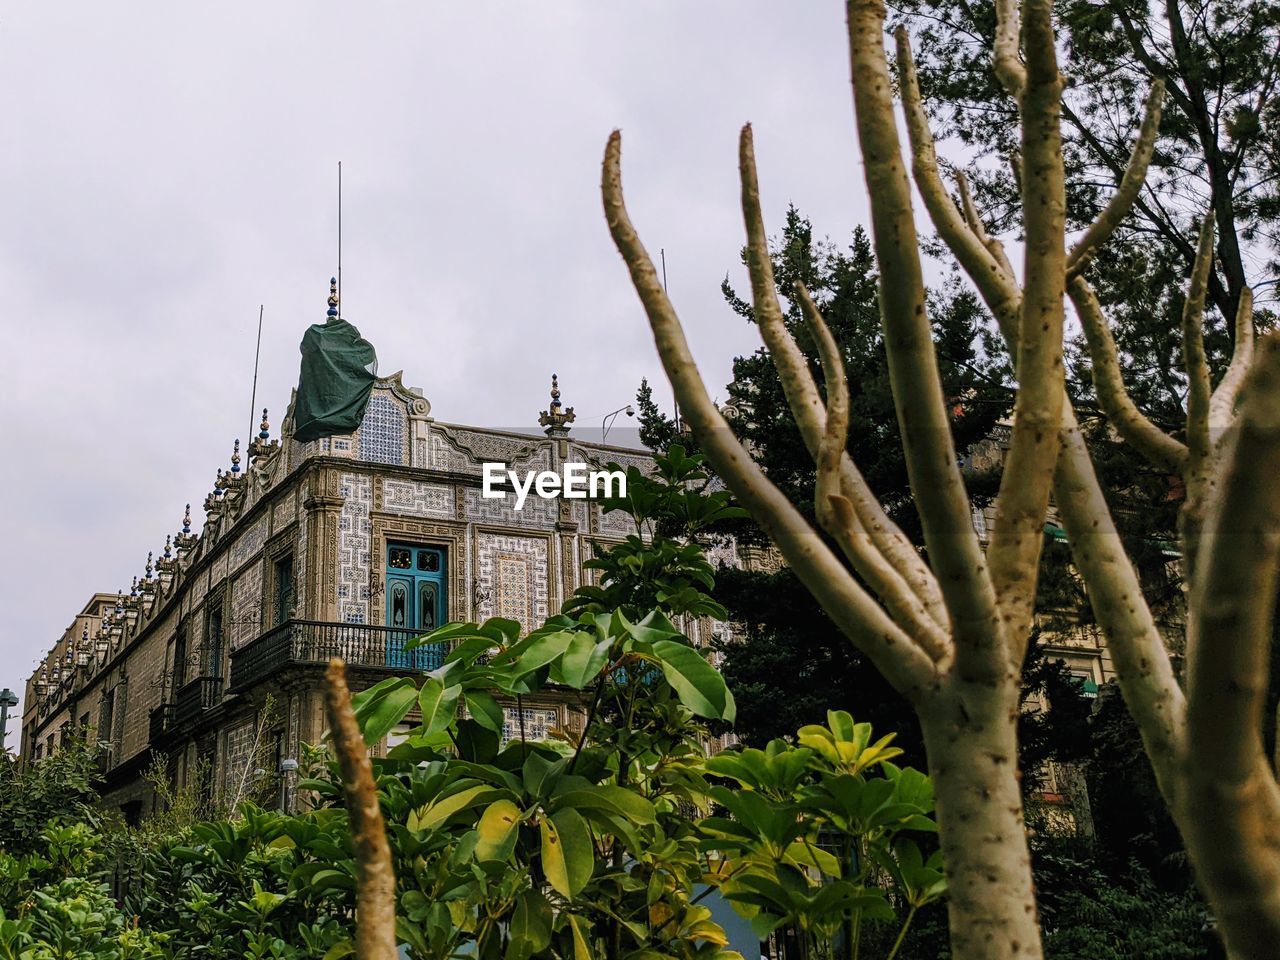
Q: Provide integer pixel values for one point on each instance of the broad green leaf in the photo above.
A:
(484, 710)
(542, 651)
(611, 799)
(343, 948)
(497, 830)
(541, 773)
(582, 660)
(567, 854)
(577, 850)
(437, 813)
(807, 855)
(554, 866)
(382, 706)
(439, 705)
(581, 951)
(530, 926)
(651, 629)
(699, 685)
(444, 634)
(501, 628)
(470, 649)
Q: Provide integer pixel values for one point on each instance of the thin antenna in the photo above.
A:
(339, 239)
(257, 352)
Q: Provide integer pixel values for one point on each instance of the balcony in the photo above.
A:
(194, 698)
(303, 643)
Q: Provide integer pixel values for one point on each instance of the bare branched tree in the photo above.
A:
(950, 633)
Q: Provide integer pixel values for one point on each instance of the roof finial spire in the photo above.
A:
(557, 418)
(185, 540)
(333, 298)
(262, 444)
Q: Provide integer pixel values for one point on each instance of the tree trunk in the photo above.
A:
(970, 738)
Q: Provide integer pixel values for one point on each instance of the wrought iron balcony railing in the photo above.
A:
(194, 698)
(312, 642)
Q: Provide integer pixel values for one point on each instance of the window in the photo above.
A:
(105, 715)
(283, 606)
(180, 658)
(213, 641)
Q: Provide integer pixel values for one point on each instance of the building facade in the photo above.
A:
(348, 546)
(344, 546)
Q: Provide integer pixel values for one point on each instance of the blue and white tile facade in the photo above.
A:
(384, 431)
(246, 606)
(354, 530)
(512, 573)
(249, 543)
(415, 499)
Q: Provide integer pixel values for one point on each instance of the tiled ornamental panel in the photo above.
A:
(538, 723)
(536, 511)
(353, 548)
(300, 581)
(249, 543)
(239, 758)
(512, 576)
(218, 569)
(246, 606)
(384, 430)
(417, 499)
(615, 522)
(463, 451)
(199, 588)
(283, 513)
(600, 459)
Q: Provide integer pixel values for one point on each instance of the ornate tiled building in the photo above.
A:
(343, 546)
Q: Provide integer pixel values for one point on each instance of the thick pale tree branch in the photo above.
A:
(1199, 471)
(932, 467)
(1008, 64)
(974, 219)
(1232, 825)
(1123, 414)
(903, 662)
(1223, 402)
(1121, 202)
(836, 513)
(1142, 662)
(806, 404)
(1198, 389)
(986, 270)
(375, 878)
(1115, 594)
(1018, 533)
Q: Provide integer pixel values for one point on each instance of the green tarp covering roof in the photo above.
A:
(339, 368)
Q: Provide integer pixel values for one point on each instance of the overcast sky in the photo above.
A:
(166, 169)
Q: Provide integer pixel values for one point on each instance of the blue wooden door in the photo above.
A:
(415, 603)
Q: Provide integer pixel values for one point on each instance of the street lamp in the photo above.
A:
(8, 699)
(287, 766)
(607, 423)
